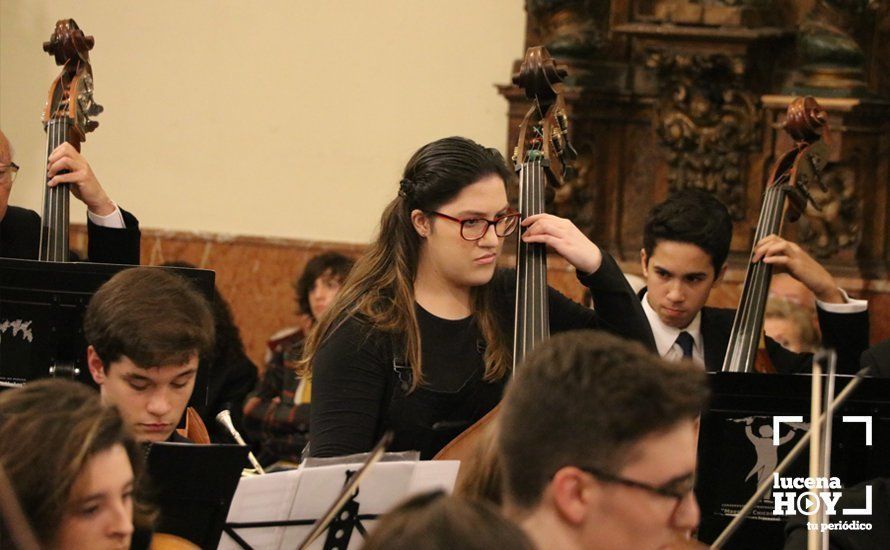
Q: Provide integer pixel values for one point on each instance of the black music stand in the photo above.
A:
(41, 318)
(193, 486)
(339, 532)
(728, 457)
(286, 509)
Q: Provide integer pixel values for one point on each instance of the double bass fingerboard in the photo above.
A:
(54, 225)
(532, 323)
(748, 325)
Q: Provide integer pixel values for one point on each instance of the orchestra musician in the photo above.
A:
(685, 245)
(276, 413)
(73, 466)
(232, 374)
(147, 329)
(418, 340)
(113, 232)
(597, 440)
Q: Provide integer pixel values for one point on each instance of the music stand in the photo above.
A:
(735, 447)
(193, 487)
(278, 510)
(41, 318)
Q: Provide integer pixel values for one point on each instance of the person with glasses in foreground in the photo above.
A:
(597, 440)
(419, 339)
(113, 232)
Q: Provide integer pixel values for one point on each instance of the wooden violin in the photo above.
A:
(66, 117)
(785, 198)
(541, 157)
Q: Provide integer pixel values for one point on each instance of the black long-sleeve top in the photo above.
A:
(357, 394)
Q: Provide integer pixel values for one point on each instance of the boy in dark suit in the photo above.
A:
(685, 245)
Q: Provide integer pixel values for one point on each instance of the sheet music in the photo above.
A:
(305, 494)
(384, 487)
(262, 498)
(435, 475)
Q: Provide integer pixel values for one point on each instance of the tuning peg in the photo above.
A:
(563, 121)
(800, 196)
(95, 109)
(569, 152)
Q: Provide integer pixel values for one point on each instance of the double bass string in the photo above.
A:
(45, 195)
(771, 215)
(519, 324)
(544, 317)
(756, 285)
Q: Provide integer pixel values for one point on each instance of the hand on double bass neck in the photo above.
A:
(790, 258)
(66, 165)
(565, 238)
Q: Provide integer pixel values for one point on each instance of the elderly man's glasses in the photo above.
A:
(473, 229)
(12, 169)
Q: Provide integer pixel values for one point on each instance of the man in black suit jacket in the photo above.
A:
(113, 233)
(685, 245)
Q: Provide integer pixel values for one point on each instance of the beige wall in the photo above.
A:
(278, 118)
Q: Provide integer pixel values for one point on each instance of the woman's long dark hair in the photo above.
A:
(380, 288)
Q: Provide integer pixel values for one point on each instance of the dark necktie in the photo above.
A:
(685, 341)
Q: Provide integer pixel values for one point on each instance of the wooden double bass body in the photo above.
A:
(541, 158)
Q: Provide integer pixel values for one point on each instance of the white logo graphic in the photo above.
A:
(766, 441)
(17, 328)
(809, 496)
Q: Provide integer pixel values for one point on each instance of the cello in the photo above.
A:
(541, 157)
(785, 198)
(66, 117)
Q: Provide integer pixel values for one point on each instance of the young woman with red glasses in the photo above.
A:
(419, 338)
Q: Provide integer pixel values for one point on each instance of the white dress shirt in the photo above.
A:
(666, 336)
(115, 220)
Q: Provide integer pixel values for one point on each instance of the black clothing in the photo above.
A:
(20, 238)
(231, 378)
(846, 539)
(357, 394)
(845, 332)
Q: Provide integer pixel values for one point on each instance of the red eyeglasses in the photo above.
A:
(473, 229)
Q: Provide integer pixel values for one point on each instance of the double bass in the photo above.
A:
(786, 198)
(66, 117)
(542, 157)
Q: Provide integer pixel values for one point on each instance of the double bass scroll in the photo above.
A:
(66, 117)
(787, 195)
(542, 155)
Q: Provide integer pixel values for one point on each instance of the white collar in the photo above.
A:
(665, 335)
